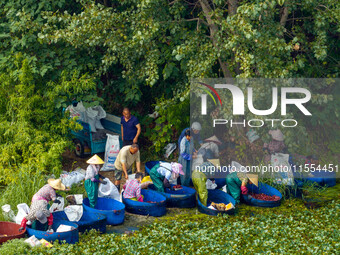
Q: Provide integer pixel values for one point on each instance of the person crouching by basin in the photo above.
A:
(132, 189)
(162, 173)
(237, 184)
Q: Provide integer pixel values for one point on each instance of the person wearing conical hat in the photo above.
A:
(92, 179)
(39, 206)
(209, 149)
(236, 183)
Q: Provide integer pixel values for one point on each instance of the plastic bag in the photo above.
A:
(8, 212)
(210, 185)
(108, 190)
(111, 152)
(237, 167)
(76, 199)
(100, 115)
(45, 243)
(74, 212)
(169, 148)
(58, 207)
(77, 111)
(23, 210)
(282, 171)
(74, 177)
(33, 241)
(64, 228)
(252, 135)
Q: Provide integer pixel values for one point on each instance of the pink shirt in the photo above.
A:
(45, 193)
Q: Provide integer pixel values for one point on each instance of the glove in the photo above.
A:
(21, 229)
(104, 182)
(56, 202)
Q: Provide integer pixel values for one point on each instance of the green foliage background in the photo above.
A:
(143, 53)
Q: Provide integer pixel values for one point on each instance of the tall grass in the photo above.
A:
(28, 180)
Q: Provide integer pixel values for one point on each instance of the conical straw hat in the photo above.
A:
(215, 162)
(254, 178)
(95, 160)
(213, 139)
(56, 184)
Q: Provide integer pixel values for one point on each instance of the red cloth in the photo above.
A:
(140, 199)
(23, 223)
(244, 190)
(50, 220)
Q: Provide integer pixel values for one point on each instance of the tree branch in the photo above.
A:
(285, 14)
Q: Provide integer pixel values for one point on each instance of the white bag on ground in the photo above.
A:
(282, 171)
(210, 185)
(169, 148)
(237, 167)
(109, 190)
(64, 228)
(74, 177)
(33, 241)
(8, 212)
(23, 210)
(111, 152)
(74, 212)
(58, 207)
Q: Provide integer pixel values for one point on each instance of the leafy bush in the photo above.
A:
(15, 247)
(285, 229)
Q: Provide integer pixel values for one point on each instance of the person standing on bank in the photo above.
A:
(130, 128)
(126, 157)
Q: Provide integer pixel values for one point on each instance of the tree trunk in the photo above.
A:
(213, 35)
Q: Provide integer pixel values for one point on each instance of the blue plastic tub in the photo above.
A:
(216, 196)
(70, 237)
(220, 182)
(143, 208)
(183, 198)
(323, 178)
(264, 189)
(87, 222)
(112, 209)
(149, 165)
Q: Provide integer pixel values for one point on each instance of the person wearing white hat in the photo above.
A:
(195, 133)
(236, 183)
(39, 215)
(92, 179)
(276, 145)
(209, 149)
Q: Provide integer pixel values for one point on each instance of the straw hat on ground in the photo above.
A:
(254, 178)
(95, 160)
(56, 184)
(213, 139)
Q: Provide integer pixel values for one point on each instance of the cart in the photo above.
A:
(89, 143)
